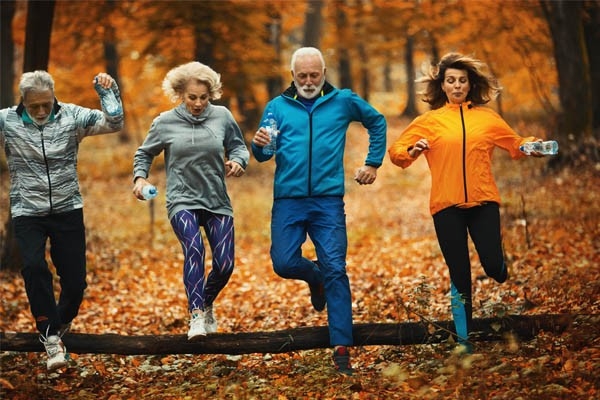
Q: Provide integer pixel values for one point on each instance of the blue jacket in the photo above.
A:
(310, 146)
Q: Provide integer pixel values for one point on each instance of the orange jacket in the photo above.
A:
(461, 141)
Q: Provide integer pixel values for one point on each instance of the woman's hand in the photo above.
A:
(234, 169)
(420, 146)
(137, 187)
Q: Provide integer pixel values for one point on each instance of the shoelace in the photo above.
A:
(51, 348)
(196, 318)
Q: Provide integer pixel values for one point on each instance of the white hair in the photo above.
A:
(35, 81)
(306, 51)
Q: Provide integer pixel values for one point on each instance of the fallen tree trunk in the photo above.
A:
(304, 338)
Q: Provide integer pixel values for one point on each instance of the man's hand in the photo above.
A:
(366, 175)
(104, 80)
(261, 137)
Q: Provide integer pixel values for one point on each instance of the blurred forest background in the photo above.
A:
(546, 55)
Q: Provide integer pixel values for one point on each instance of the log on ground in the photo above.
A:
(282, 341)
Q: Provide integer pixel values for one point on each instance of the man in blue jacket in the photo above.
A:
(313, 117)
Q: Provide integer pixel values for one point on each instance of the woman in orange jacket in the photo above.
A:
(457, 138)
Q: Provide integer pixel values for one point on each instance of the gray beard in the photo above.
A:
(313, 94)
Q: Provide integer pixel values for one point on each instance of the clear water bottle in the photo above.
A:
(149, 192)
(270, 125)
(549, 147)
(110, 103)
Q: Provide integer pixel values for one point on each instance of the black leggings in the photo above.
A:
(452, 226)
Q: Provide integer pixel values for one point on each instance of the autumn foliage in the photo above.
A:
(551, 229)
(551, 218)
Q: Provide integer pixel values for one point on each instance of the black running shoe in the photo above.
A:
(341, 360)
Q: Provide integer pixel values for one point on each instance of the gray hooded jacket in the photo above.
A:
(195, 152)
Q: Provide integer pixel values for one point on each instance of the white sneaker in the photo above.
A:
(210, 323)
(57, 353)
(196, 325)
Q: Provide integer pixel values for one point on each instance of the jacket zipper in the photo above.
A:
(464, 153)
(41, 129)
(310, 144)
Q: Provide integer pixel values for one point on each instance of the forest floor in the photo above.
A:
(551, 229)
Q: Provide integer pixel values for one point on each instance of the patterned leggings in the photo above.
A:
(201, 292)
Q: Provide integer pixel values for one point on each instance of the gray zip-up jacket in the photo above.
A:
(195, 151)
(42, 160)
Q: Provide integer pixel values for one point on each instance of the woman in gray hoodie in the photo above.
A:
(202, 145)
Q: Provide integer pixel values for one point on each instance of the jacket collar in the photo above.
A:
(467, 104)
(292, 91)
(184, 114)
(22, 112)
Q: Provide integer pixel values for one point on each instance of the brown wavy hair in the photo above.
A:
(484, 87)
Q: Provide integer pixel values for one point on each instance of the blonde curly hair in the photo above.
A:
(177, 79)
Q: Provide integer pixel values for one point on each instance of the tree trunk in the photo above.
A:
(40, 15)
(312, 23)
(592, 41)
(203, 36)
(491, 329)
(111, 57)
(410, 110)
(565, 19)
(274, 83)
(7, 78)
(345, 70)
(8, 246)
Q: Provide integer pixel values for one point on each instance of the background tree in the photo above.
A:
(565, 20)
(7, 76)
(37, 53)
(410, 111)
(40, 15)
(591, 31)
(343, 33)
(111, 54)
(274, 82)
(312, 24)
(8, 245)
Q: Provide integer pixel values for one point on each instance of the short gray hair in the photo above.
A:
(306, 51)
(35, 81)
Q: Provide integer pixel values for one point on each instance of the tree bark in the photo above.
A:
(344, 63)
(565, 19)
(40, 15)
(312, 23)
(7, 76)
(283, 341)
(410, 110)
(591, 28)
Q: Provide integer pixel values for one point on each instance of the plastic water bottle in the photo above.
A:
(549, 147)
(149, 192)
(271, 126)
(109, 100)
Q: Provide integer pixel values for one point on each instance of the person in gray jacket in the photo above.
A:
(40, 137)
(202, 145)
